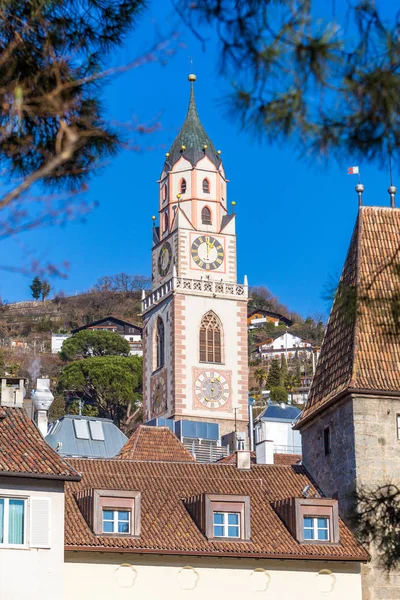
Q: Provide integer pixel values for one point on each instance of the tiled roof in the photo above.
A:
(279, 459)
(156, 444)
(360, 350)
(24, 451)
(166, 525)
(193, 137)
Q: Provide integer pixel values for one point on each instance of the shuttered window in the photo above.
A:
(160, 344)
(210, 338)
(206, 216)
(40, 523)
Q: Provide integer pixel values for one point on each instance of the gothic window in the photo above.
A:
(206, 216)
(183, 186)
(165, 221)
(210, 338)
(206, 186)
(160, 344)
(165, 191)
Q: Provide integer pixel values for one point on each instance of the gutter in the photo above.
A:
(340, 396)
(76, 477)
(206, 553)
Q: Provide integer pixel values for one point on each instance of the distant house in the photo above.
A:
(132, 333)
(287, 344)
(260, 317)
(275, 424)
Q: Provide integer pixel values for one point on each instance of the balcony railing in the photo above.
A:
(195, 286)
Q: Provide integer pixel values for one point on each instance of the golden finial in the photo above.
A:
(192, 77)
(178, 196)
(205, 146)
(153, 218)
(167, 154)
(219, 151)
(183, 147)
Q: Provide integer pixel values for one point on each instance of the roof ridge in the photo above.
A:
(356, 328)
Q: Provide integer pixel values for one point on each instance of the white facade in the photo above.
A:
(35, 570)
(286, 344)
(145, 577)
(284, 438)
(57, 340)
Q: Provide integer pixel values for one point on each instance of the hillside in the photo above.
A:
(34, 320)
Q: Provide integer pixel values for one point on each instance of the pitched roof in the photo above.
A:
(193, 137)
(115, 320)
(24, 452)
(156, 444)
(279, 459)
(168, 528)
(361, 350)
(270, 313)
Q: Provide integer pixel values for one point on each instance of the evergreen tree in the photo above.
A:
(36, 288)
(274, 375)
(279, 394)
(283, 371)
(45, 290)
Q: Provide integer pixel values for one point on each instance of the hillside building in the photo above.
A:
(287, 345)
(260, 317)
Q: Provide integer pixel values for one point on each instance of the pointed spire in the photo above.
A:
(192, 141)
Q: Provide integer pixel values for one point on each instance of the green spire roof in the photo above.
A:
(193, 137)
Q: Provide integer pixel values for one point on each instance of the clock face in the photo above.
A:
(207, 252)
(159, 397)
(212, 389)
(164, 259)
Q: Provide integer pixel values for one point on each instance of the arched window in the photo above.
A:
(165, 221)
(206, 216)
(183, 186)
(210, 338)
(160, 344)
(206, 186)
(165, 191)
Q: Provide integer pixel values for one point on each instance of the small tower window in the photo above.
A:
(183, 186)
(165, 222)
(160, 344)
(206, 216)
(327, 440)
(206, 186)
(165, 191)
(210, 338)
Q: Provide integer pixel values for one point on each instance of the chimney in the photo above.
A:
(42, 399)
(243, 460)
(265, 452)
(12, 392)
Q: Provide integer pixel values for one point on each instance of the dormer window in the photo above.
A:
(206, 186)
(116, 521)
(183, 186)
(227, 524)
(316, 528)
(310, 520)
(111, 512)
(221, 516)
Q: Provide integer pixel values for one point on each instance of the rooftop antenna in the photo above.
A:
(392, 188)
(359, 186)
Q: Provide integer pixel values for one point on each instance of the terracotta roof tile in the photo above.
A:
(360, 349)
(279, 459)
(167, 527)
(155, 444)
(24, 451)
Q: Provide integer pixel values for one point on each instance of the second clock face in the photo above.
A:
(212, 389)
(164, 259)
(207, 252)
(159, 397)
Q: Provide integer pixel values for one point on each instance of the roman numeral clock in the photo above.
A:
(207, 252)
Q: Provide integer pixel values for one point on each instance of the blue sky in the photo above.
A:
(294, 218)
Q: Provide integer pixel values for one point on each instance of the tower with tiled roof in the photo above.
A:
(195, 333)
(351, 425)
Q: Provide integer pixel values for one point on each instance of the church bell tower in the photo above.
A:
(195, 318)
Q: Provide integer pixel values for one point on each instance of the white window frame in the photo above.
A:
(7, 499)
(398, 427)
(315, 528)
(225, 524)
(115, 520)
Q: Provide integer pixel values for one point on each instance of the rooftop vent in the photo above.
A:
(42, 400)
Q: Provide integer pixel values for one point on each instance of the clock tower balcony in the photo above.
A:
(196, 287)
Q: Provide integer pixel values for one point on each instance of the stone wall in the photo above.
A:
(365, 451)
